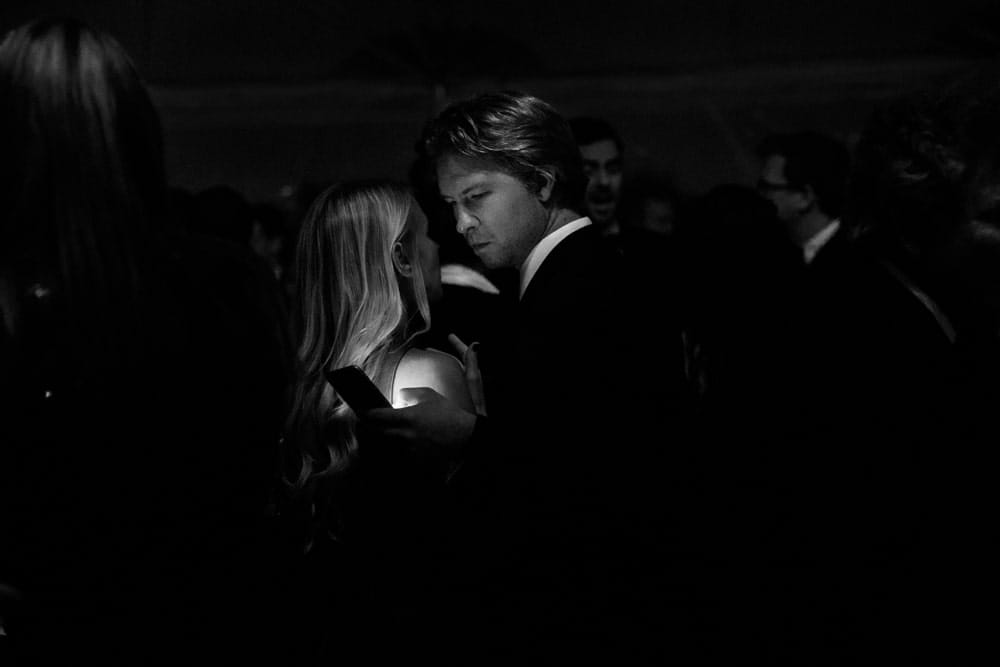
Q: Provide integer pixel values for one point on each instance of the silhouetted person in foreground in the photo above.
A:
(142, 382)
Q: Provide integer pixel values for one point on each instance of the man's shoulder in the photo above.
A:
(581, 250)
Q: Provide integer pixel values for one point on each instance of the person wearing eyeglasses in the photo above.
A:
(804, 174)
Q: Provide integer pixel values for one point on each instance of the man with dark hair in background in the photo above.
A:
(603, 156)
(647, 252)
(804, 174)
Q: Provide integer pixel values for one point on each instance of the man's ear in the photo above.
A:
(548, 184)
(400, 261)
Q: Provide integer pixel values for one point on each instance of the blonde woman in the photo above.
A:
(366, 273)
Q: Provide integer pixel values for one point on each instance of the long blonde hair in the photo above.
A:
(353, 307)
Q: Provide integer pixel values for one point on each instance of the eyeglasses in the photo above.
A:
(765, 187)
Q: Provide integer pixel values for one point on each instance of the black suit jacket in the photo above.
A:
(133, 502)
(863, 473)
(566, 469)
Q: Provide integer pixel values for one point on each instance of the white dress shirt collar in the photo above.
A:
(819, 239)
(544, 247)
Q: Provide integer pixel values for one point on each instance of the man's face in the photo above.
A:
(500, 218)
(602, 163)
(788, 200)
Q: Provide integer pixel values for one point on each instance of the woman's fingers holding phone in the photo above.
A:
(430, 423)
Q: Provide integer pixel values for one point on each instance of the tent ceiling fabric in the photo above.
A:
(199, 42)
(265, 94)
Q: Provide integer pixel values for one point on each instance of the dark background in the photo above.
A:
(265, 95)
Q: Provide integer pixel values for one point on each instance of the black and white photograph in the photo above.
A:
(403, 332)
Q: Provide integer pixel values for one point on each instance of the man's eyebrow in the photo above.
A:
(471, 187)
(464, 191)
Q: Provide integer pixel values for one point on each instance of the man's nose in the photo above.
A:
(603, 177)
(464, 221)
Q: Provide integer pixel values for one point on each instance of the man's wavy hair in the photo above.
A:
(521, 135)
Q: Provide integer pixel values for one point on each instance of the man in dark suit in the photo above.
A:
(876, 547)
(564, 542)
(804, 174)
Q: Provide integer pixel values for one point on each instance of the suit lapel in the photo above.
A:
(566, 258)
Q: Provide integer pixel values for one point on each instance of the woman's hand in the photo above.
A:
(429, 425)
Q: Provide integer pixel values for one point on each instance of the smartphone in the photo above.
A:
(356, 389)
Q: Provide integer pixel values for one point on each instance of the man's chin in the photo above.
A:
(489, 260)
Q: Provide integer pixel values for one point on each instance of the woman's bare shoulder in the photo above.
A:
(427, 367)
(419, 362)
